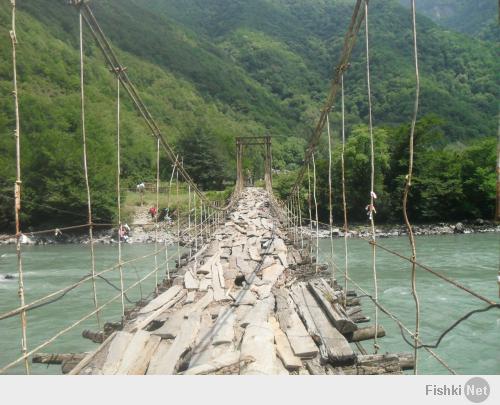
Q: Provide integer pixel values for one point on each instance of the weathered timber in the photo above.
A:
(406, 360)
(115, 353)
(333, 310)
(174, 322)
(190, 281)
(96, 337)
(227, 359)
(366, 333)
(133, 351)
(57, 358)
(374, 364)
(335, 344)
(301, 342)
(143, 320)
(161, 300)
(258, 344)
(224, 326)
(138, 354)
(91, 357)
(167, 364)
(283, 348)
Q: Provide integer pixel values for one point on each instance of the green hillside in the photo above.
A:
(215, 69)
(478, 18)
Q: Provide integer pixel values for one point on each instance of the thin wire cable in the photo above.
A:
(344, 200)
(407, 189)
(316, 212)
(157, 207)
(112, 60)
(170, 214)
(178, 209)
(189, 219)
(121, 230)
(195, 203)
(17, 190)
(310, 210)
(85, 168)
(300, 221)
(330, 192)
(371, 207)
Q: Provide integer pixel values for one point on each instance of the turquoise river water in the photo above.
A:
(473, 260)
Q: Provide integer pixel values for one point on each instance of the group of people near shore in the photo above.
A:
(163, 215)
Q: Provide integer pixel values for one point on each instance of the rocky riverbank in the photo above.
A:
(146, 233)
(386, 231)
(138, 234)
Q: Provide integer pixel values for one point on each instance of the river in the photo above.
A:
(471, 348)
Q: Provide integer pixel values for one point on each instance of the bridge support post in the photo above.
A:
(254, 140)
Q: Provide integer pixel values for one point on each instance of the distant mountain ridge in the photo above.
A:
(477, 17)
(221, 68)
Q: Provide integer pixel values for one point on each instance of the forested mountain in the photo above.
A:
(478, 17)
(216, 69)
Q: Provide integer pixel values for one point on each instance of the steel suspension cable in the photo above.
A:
(85, 168)
(112, 60)
(408, 185)
(349, 42)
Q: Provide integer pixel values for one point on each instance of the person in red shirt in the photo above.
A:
(152, 212)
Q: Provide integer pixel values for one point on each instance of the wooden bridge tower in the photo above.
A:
(241, 142)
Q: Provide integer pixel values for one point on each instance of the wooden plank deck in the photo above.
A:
(207, 323)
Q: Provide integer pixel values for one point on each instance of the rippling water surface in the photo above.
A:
(472, 348)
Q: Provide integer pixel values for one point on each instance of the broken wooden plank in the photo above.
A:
(283, 348)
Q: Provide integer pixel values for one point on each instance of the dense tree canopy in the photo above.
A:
(212, 70)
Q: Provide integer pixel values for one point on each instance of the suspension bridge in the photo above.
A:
(248, 294)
